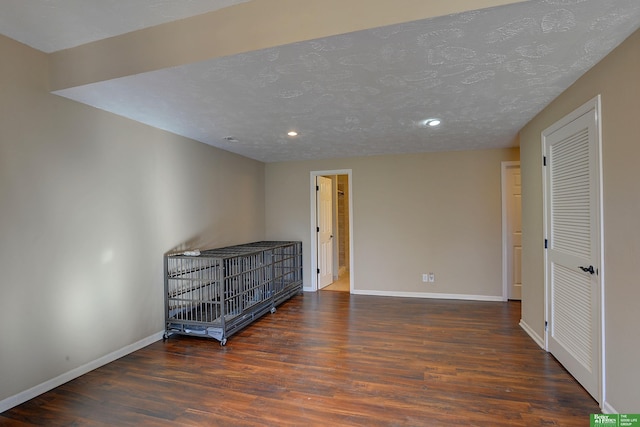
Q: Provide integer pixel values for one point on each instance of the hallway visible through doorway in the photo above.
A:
(331, 215)
(341, 285)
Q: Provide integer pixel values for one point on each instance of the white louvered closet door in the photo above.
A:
(573, 254)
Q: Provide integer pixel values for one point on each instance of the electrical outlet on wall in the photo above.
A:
(428, 277)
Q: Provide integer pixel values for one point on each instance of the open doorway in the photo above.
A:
(331, 229)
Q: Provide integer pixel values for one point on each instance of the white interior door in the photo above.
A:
(514, 232)
(324, 203)
(572, 222)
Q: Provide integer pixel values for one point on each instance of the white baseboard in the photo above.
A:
(35, 391)
(429, 295)
(422, 295)
(534, 336)
(608, 409)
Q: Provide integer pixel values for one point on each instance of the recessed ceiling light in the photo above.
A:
(292, 133)
(431, 122)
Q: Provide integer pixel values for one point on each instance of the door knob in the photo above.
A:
(589, 269)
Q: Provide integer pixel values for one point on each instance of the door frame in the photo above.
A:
(314, 234)
(592, 104)
(505, 166)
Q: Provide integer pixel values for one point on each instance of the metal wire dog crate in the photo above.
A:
(220, 291)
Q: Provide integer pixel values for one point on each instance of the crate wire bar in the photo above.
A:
(222, 290)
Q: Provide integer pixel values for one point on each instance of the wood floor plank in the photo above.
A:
(331, 358)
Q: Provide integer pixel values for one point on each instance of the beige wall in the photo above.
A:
(412, 214)
(616, 79)
(89, 203)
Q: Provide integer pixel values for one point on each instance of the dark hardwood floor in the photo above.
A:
(332, 359)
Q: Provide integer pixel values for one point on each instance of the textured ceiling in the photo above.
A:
(485, 73)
